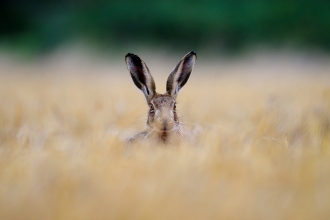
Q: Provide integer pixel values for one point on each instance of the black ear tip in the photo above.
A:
(192, 53)
(129, 55)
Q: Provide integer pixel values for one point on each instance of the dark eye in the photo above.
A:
(174, 106)
(152, 107)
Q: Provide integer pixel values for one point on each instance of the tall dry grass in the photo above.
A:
(262, 149)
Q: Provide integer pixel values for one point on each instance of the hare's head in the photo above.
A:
(162, 116)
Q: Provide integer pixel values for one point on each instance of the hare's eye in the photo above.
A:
(152, 107)
(174, 106)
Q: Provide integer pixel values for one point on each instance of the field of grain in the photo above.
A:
(262, 140)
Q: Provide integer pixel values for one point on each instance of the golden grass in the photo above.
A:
(262, 146)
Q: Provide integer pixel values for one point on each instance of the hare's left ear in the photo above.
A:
(180, 74)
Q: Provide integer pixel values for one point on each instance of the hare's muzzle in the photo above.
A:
(164, 121)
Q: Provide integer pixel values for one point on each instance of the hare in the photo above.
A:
(163, 120)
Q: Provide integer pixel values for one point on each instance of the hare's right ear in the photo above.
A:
(141, 76)
(180, 74)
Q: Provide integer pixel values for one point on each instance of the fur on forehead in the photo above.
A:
(162, 100)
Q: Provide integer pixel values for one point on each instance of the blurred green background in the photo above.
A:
(228, 26)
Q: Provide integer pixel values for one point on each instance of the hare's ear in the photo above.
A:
(180, 74)
(141, 76)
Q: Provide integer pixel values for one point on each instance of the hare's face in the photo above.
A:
(162, 117)
(162, 114)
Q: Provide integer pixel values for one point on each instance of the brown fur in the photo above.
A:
(163, 120)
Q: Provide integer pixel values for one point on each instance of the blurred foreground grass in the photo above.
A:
(262, 146)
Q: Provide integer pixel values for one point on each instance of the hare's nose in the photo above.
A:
(165, 120)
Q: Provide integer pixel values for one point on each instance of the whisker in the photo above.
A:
(183, 122)
(186, 134)
(187, 128)
(185, 116)
(141, 122)
(177, 135)
(142, 119)
(146, 136)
